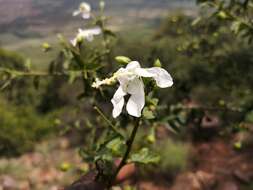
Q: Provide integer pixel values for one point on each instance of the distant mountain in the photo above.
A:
(23, 14)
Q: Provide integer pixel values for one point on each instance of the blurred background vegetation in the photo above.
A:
(211, 67)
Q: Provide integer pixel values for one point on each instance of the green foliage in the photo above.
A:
(11, 60)
(21, 127)
(235, 12)
(174, 156)
(144, 156)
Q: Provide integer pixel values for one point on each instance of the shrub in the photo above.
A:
(20, 128)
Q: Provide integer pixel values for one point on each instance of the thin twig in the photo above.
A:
(41, 73)
(108, 121)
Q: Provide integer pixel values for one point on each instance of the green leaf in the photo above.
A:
(72, 77)
(5, 85)
(153, 101)
(144, 156)
(249, 117)
(148, 114)
(109, 33)
(196, 21)
(117, 146)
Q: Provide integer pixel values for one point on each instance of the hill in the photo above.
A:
(26, 13)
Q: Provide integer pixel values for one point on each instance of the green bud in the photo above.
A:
(65, 166)
(222, 15)
(123, 59)
(158, 63)
(79, 39)
(28, 64)
(238, 145)
(57, 122)
(46, 46)
(222, 103)
(102, 5)
(151, 137)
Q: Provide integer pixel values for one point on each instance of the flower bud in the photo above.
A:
(123, 59)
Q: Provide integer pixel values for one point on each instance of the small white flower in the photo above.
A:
(87, 34)
(132, 84)
(84, 10)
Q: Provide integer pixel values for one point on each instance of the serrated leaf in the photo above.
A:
(144, 156)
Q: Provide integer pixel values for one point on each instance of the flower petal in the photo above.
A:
(89, 37)
(94, 31)
(123, 79)
(77, 12)
(135, 105)
(85, 7)
(133, 65)
(135, 86)
(73, 42)
(162, 77)
(136, 101)
(118, 102)
(144, 72)
(85, 15)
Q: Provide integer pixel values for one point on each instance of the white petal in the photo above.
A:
(85, 7)
(118, 102)
(144, 72)
(89, 37)
(162, 77)
(135, 86)
(80, 30)
(135, 104)
(136, 101)
(94, 31)
(123, 79)
(133, 65)
(77, 12)
(86, 15)
(73, 42)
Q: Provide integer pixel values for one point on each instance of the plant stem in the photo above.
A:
(129, 144)
(112, 127)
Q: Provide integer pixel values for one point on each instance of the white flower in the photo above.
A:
(85, 35)
(84, 10)
(132, 84)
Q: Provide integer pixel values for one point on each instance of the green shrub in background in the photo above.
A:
(20, 128)
(173, 159)
(11, 60)
(174, 156)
